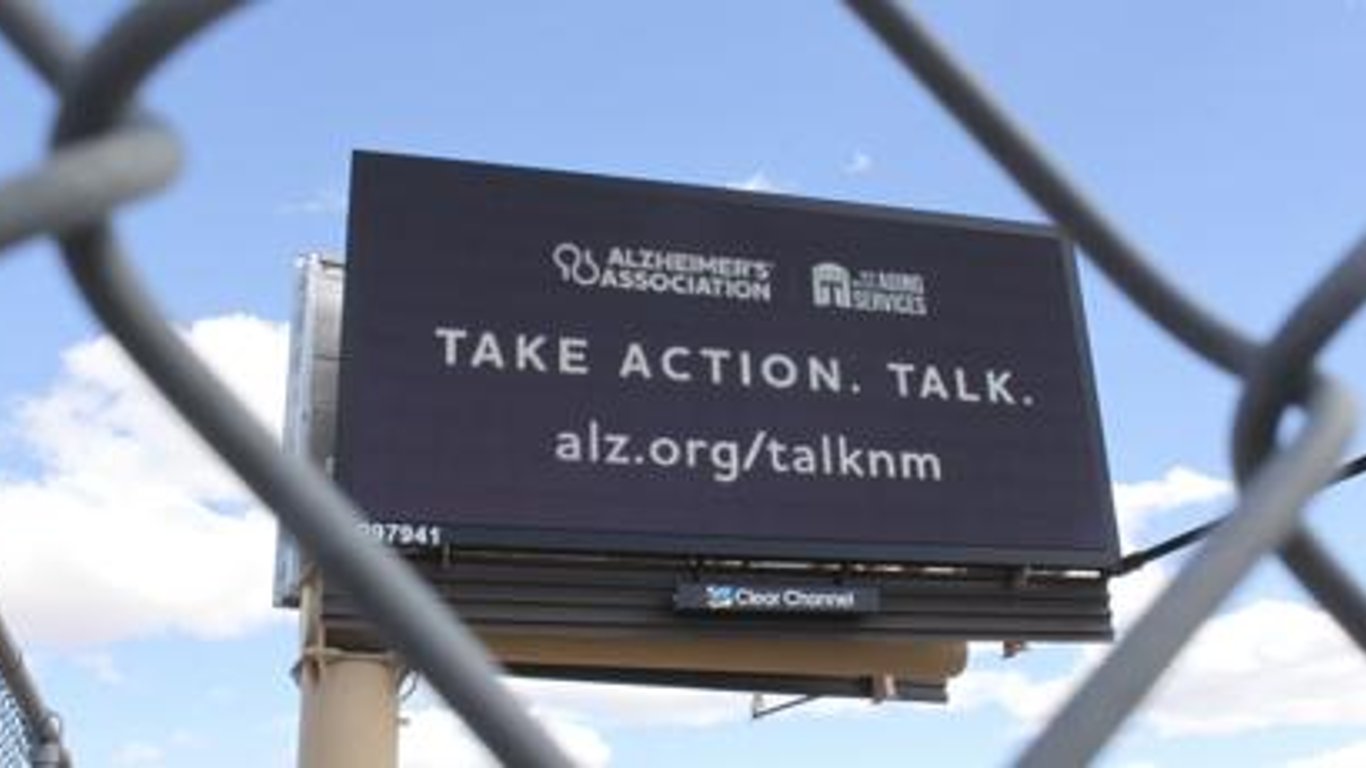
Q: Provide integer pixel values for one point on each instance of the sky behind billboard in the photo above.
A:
(1225, 136)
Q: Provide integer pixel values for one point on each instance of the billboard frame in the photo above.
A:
(533, 595)
(1101, 553)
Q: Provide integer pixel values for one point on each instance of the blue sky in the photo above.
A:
(1225, 136)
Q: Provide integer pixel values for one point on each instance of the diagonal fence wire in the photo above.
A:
(16, 730)
(1275, 485)
(30, 736)
(106, 153)
(97, 89)
(16, 740)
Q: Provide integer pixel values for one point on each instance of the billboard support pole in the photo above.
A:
(348, 714)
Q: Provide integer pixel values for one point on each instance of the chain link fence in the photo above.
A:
(107, 151)
(16, 735)
(29, 733)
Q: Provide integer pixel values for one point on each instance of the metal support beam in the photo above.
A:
(348, 714)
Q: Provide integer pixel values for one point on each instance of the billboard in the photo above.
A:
(547, 361)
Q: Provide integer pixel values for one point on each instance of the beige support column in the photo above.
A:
(349, 711)
(348, 715)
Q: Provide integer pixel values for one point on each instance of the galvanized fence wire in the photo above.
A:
(29, 734)
(1275, 482)
(97, 87)
(107, 152)
(16, 741)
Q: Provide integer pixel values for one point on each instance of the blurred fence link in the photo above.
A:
(107, 151)
(16, 729)
(30, 736)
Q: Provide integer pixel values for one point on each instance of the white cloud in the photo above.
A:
(321, 202)
(634, 705)
(101, 666)
(1030, 700)
(757, 182)
(432, 737)
(139, 753)
(572, 712)
(1137, 504)
(1131, 594)
(848, 706)
(646, 706)
(1270, 663)
(1350, 756)
(860, 163)
(128, 526)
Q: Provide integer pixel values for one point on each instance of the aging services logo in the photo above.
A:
(659, 270)
(900, 293)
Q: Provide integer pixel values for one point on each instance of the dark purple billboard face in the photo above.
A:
(551, 361)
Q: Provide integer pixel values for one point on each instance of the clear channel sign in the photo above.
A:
(537, 360)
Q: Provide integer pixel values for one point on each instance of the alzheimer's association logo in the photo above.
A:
(576, 264)
(665, 270)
